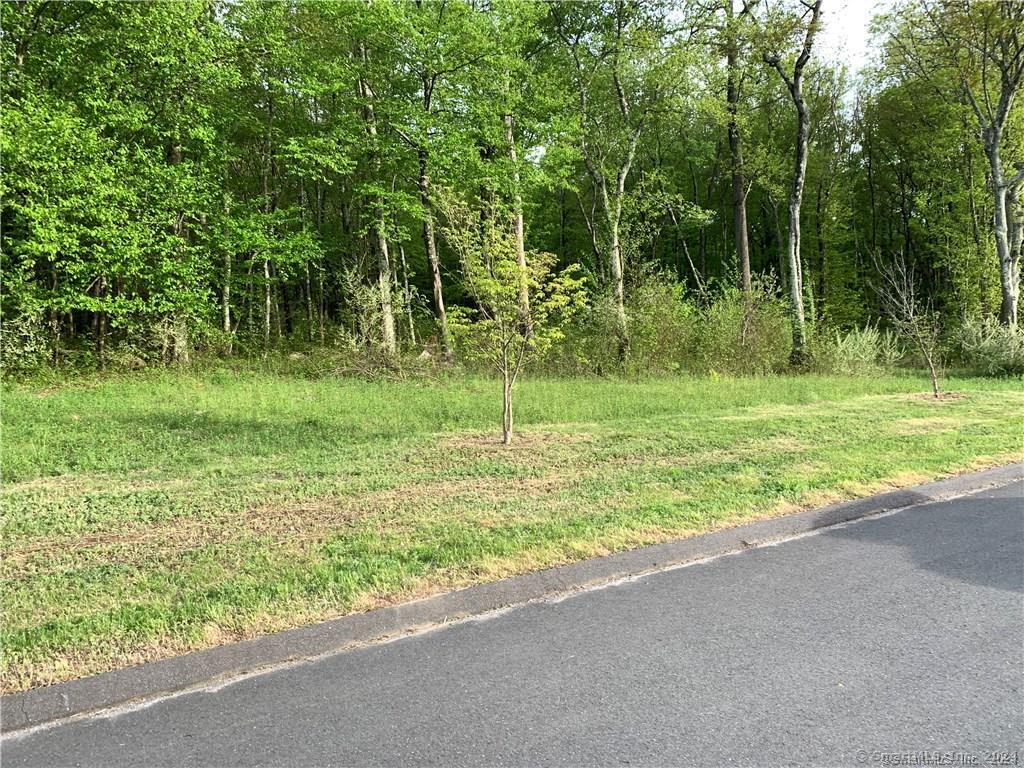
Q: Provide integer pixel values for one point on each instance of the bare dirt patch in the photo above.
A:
(943, 397)
(526, 441)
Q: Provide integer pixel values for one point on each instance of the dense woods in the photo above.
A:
(639, 183)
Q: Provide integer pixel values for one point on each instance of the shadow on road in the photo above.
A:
(946, 547)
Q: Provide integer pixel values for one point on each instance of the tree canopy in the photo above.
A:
(207, 175)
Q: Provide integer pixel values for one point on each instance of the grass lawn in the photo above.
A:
(148, 515)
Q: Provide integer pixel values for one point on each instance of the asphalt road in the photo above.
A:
(868, 644)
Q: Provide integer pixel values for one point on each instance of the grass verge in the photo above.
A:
(149, 515)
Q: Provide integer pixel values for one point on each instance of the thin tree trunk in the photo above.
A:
(384, 285)
(430, 246)
(266, 304)
(55, 324)
(736, 152)
(871, 190)
(101, 326)
(819, 230)
(309, 304)
(928, 353)
(318, 217)
(561, 221)
(225, 299)
(976, 232)
(226, 302)
(280, 301)
(323, 306)
(390, 345)
(520, 235)
(618, 287)
(1015, 215)
(506, 404)
(588, 220)
(779, 241)
(408, 295)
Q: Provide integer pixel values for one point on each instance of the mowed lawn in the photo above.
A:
(148, 515)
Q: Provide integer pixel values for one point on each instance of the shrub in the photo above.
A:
(991, 349)
(662, 331)
(861, 351)
(744, 335)
(23, 343)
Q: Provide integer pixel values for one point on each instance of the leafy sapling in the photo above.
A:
(520, 309)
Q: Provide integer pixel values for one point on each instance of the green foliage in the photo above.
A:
(180, 179)
(744, 334)
(662, 329)
(499, 329)
(991, 349)
(728, 334)
(866, 351)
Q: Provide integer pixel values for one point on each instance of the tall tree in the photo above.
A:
(973, 50)
(379, 224)
(733, 33)
(617, 51)
(795, 84)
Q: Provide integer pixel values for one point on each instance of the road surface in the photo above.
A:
(884, 641)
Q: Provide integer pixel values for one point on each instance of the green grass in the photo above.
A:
(151, 514)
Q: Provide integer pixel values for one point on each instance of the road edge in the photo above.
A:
(219, 665)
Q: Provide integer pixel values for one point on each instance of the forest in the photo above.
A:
(637, 185)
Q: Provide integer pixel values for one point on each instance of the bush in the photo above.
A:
(668, 333)
(23, 344)
(662, 327)
(744, 335)
(662, 331)
(859, 352)
(991, 349)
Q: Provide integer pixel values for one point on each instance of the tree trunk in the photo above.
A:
(309, 304)
(927, 350)
(225, 296)
(589, 222)
(1015, 215)
(618, 290)
(819, 235)
(795, 85)
(408, 295)
(225, 300)
(739, 191)
(383, 257)
(972, 206)
(323, 306)
(430, 246)
(796, 285)
(384, 285)
(506, 405)
(520, 235)
(281, 306)
(1009, 260)
(101, 327)
(266, 304)
(55, 324)
(613, 215)
(779, 241)
(562, 213)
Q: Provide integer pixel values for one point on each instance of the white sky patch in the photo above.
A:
(844, 35)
